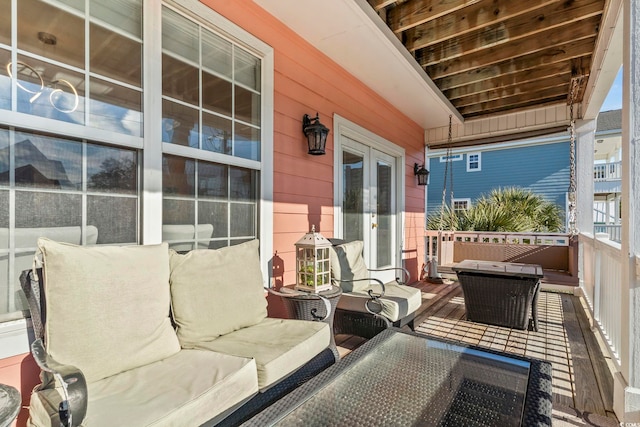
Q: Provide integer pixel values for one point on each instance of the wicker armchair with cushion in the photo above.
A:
(367, 305)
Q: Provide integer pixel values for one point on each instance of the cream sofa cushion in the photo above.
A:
(398, 301)
(347, 263)
(186, 389)
(107, 306)
(279, 346)
(214, 292)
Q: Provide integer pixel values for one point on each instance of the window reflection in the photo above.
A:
(112, 170)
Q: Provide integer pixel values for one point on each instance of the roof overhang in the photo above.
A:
(353, 36)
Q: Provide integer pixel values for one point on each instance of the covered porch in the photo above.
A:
(582, 381)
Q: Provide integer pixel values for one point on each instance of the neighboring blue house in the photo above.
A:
(540, 165)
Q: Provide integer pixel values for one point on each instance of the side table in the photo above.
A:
(9, 404)
(306, 305)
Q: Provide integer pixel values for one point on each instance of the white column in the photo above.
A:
(585, 140)
(627, 384)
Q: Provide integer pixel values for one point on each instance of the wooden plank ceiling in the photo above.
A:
(491, 57)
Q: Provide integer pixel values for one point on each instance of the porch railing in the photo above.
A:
(600, 280)
(607, 171)
(612, 230)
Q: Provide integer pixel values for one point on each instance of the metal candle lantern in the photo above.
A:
(312, 262)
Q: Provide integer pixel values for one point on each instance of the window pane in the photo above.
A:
(179, 212)
(123, 14)
(115, 56)
(5, 22)
(179, 124)
(243, 184)
(247, 106)
(244, 219)
(114, 217)
(112, 170)
(216, 94)
(216, 134)
(115, 108)
(216, 53)
(247, 69)
(5, 81)
(247, 142)
(212, 180)
(216, 215)
(76, 4)
(179, 80)
(63, 32)
(47, 162)
(179, 35)
(47, 90)
(62, 210)
(178, 177)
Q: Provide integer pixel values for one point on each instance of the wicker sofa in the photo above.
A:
(141, 335)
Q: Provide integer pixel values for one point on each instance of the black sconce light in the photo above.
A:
(316, 134)
(421, 173)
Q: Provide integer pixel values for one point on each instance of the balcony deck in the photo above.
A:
(582, 384)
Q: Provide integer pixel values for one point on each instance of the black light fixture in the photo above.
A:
(316, 134)
(421, 173)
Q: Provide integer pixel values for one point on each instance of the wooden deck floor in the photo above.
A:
(582, 384)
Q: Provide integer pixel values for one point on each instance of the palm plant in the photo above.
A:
(510, 209)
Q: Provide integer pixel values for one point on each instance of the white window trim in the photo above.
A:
(479, 168)
(452, 158)
(467, 200)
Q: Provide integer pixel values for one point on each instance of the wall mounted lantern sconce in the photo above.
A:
(316, 134)
(421, 173)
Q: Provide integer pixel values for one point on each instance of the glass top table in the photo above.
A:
(407, 379)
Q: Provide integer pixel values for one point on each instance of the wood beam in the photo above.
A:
(514, 20)
(517, 102)
(378, 5)
(416, 12)
(477, 53)
(521, 90)
(524, 51)
(572, 54)
(509, 79)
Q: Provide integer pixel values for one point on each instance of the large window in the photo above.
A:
(73, 65)
(64, 189)
(211, 104)
(95, 122)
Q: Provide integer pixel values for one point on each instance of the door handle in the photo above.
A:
(374, 225)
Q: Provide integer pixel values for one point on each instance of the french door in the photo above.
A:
(368, 203)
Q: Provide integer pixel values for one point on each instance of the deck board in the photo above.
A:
(564, 338)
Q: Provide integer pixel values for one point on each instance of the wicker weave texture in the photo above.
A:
(498, 300)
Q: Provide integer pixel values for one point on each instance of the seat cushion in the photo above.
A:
(214, 292)
(347, 263)
(186, 389)
(107, 306)
(279, 346)
(398, 301)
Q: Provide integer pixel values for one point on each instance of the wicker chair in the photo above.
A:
(367, 305)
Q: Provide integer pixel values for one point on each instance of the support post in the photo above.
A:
(585, 141)
(626, 399)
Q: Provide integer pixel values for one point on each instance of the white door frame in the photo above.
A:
(344, 128)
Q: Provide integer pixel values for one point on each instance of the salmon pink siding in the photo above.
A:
(305, 82)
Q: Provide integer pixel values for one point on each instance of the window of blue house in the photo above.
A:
(474, 162)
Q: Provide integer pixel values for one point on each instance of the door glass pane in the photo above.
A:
(385, 217)
(352, 210)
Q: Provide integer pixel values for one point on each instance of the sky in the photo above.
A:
(613, 101)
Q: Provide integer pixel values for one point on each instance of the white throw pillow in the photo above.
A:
(214, 292)
(107, 306)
